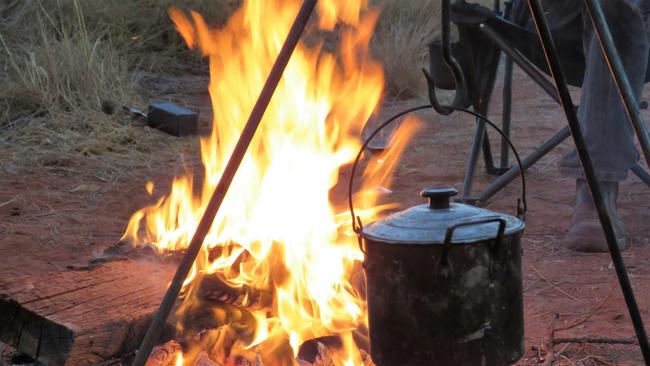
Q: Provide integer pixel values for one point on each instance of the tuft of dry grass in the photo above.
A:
(403, 34)
(400, 42)
(59, 59)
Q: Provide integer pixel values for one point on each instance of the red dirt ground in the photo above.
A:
(55, 217)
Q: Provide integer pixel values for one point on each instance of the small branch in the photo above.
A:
(554, 356)
(552, 284)
(591, 313)
(588, 339)
(556, 317)
(547, 346)
(8, 202)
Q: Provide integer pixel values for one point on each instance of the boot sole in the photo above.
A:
(587, 244)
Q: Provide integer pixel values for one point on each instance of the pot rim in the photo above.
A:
(514, 226)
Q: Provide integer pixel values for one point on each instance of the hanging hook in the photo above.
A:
(452, 64)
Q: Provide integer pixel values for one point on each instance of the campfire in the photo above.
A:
(279, 278)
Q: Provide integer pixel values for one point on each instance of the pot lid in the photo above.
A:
(429, 223)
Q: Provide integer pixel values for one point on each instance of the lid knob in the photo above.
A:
(439, 196)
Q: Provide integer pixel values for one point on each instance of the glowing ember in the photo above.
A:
(277, 232)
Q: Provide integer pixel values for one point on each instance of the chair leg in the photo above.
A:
(487, 156)
(641, 173)
(475, 149)
(506, 112)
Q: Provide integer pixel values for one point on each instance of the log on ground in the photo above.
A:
(82, 317)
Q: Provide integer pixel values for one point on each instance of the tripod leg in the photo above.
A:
(506, 112)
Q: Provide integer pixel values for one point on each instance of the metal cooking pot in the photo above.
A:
(444, 285)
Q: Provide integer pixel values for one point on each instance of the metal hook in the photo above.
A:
(452, 64)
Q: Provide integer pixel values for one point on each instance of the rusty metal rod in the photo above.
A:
(553, 60)
(159, 319)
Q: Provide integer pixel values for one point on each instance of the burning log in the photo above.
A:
(170, 353)
(204, 360)
(201, 317)
(165, 355)
(316, 352)
(213, 287)
(320, 352)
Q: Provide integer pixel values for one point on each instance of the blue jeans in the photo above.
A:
(604, 121)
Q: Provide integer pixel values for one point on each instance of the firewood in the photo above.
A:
(81, 317)
(312, 349)
(244, 361)
(204, 360)
(319, 352)
(165, 355)
(200, 316)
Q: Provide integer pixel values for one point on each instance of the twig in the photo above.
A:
(564, 357)
(588, 339)
(554, 229)
(600, 360)
(551, 283)
(591, 313)
(548, 344)
(538, 315)
(8, 202)
(554, 356)
(556, 316)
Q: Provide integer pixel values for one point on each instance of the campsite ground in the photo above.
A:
(60, 217)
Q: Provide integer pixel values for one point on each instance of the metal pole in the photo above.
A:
(506, 110)
(521, 61)
(533, 157)
(641, 173)
(618, 72)
(528, 161)
(477, 142)
(488, 159)
(555, 68)
(159, 319)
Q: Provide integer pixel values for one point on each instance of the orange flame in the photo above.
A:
(276, 231)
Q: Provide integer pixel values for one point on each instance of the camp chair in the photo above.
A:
(483, 34)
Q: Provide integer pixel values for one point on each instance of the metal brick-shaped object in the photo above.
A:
(174, 120)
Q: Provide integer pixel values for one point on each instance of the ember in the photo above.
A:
(276, 267)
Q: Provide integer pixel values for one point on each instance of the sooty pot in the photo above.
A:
(444, 285)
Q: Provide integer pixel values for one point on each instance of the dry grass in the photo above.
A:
(403, 33)
(60, 58)
(401, 40)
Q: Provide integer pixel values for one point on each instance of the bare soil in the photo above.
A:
(56, 217)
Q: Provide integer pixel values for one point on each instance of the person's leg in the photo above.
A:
(604, 121)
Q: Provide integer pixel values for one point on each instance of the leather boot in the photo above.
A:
(585, 232)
